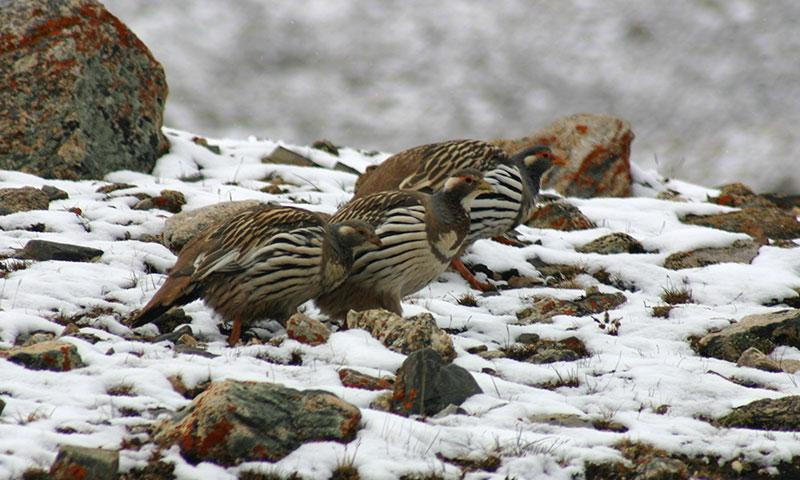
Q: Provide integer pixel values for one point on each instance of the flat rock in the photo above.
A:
(425, 384)
(82, 97)
(403, 335)
(547, 351)
(761, 223)
(597, 150)
(741, 251)
(307, 330)
(13, 200)
(763, 331)
(53, 355)
(766, 414)
(287, 157)
(755, 358)
(84, 463)
(182, 227)
(616, 242)
(740, 195)
(559, 215)
(543, 308)
(43, 250)
(54, 193)
(234, 421)
(355, 379)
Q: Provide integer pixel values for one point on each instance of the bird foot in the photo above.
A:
(508, 241)
(459, 266)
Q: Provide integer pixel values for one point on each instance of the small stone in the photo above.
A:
(767, 414)
(517, 281)
(790, 365)
(755, 358)
(559, 216)
(39, 337)
(544, 308)
(203, 142)
(491, 354)
(425, 384)
(529, 338)
(53, 355)
(307, 330)
(114, 187)
(187, 340)
(659, 468)
(168, 200)
(285, 156)
(54, 193)
(403, 335)
(326, 146)
(382, 403)
(43, 250)
(763, 331)
(70, 330)
(13, 200)
(741, 251)
(2, 406)
(354, 379)
(183, 226)
(614, 243)
(84, 463)
(740, 195)
(477, 349)
(235, 421)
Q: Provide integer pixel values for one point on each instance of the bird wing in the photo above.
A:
(426, 167)
(374, 208)
(235, 245)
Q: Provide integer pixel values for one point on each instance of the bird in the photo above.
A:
(515, 180)
(420, 233)
(263, 263)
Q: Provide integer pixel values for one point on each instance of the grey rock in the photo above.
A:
(182, 227)
(425, 385)
(755, 358)
(766, 414)
(54, 193)
(763, 332)
(85, 463)
(741, 251)
(307, 330)
(43, 250)
(528, 338)
(403, 335)
(285, 156)
(617, 242)
(86, 96)
(234, 421)
(13, 200)
(659, 468)
(53, 355)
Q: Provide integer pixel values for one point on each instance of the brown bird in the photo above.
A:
(263, 263)
(420, 233)
(515, 181)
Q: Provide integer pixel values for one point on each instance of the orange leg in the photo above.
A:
(459, 266)
(233, 338)
(507, 241)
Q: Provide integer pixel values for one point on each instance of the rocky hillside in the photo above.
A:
(652, 336)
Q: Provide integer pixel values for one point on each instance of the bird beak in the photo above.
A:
(484, 186)
(375, 240)
(558, 160)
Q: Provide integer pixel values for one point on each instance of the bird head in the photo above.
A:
(354, 233)
(535, 161)
(465, 185)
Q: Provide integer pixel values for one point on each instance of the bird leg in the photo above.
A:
(459, 266)
(508, 241)
(236, 332)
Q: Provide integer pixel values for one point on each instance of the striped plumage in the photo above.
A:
(263, 263)
(420, 233)
(515, 181)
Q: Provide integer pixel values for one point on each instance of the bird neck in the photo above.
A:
(531, 179)
(337, 258)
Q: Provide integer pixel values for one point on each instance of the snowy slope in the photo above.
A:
(625, 380)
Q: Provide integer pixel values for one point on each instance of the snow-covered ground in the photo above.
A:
(626, 379)
(711, 87)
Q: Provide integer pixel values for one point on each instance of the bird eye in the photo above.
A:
(468, 179)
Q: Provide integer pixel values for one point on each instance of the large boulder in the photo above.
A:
(82, 95)
(235, 421)
(762, 331)
(597, 149)
(404, 335)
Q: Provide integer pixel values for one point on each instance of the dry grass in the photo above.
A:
(677, 295)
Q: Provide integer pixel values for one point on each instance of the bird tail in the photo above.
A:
(176, 291)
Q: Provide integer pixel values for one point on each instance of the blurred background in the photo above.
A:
(711, 87)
